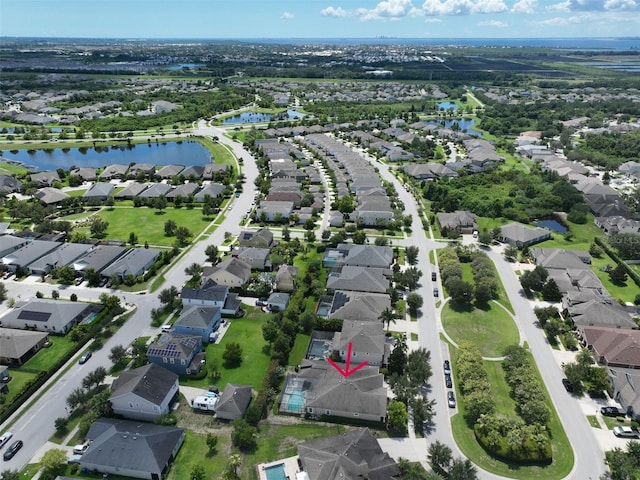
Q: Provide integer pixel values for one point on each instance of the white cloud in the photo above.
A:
(560, 7)
(524, 6)
(462, 7)
(334, 12)
(621, 5)
(595, 6)
(433, 20)
(388, 10)
(559, 21)
(287, 16)
(493, 24)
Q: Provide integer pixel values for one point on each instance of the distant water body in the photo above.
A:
(600, 43)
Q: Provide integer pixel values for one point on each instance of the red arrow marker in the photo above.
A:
(347, 372)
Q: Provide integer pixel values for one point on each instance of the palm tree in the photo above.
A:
(387, 316)
(440, 457)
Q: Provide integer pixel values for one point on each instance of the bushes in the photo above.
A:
(474, 382)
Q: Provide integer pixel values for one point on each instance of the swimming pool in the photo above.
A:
(275, 472)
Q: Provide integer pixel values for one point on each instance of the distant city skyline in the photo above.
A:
(246, 19)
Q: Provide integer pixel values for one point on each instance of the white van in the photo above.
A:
(80, 449)
(165, 328)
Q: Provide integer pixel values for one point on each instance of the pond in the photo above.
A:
(552, 225)
(465, 125)
(182, 153)
(255, 117)
(447, 106)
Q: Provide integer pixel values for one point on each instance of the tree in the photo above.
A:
(411, 254)
(618, 275)
(55, 294)
(61, 424)
(419, 366)
(54, 460)
(133, 238)
(359, 237)
(232, 355)
(182, 233)
(414, 302)
(10, 475)
(510, 253)
(160, 203)
(244, 435)
(462, 469)
(197, 472)
(65, 274)
(440, 457)
(398, 356)
(387, 316)
(168, 297)
(397, 416)
(195, 270)
(551, 292)
(170, 228)
(212, 443)
(77, 398)
(422, 412)
(118, 353)
(212, 253)
(98, 227)
(94, 378)
(461, 292)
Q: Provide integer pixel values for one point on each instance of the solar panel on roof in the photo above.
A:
(34, 316)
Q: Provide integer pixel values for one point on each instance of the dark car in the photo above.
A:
(447, 380)
(433, 276)
(447, 367)
(568, 386)
(436, 293)
(451, 399)
(12, 450)
(610, 411)
(84, 358)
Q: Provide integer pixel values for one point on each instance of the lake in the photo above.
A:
(465, 125)
(182, 153)
(255, 117)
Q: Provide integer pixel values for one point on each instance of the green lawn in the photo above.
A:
(626, 292)
(18, 380)
(246, 331)
(299, 349)
(583, 236)
(148, 225)
(194, 451)
(491, 328)
(49, 356)
(500, 391)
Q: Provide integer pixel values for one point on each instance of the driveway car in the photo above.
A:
(447, 380)
(12, 450)
(447, 367)
(451, 400)
(84, 358)
(567, 385)
(610, 411)
(5, 438)
(626, 432)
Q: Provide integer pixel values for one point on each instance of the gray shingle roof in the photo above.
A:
(234, 401)
(15, 343)
(151, 382)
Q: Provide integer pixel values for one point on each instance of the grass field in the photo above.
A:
(626, 292)
(246, 331)
(299, 349)
(48, 356)
(491, 328)
(148, 225)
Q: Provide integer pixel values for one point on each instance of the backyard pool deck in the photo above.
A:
(290, 467)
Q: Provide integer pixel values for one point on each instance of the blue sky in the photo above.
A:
(320, 18)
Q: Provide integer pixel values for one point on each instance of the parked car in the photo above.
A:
(12, 450)
(626, 432)
(568, 386)
(451, 399)
(611, 411)
(261, 302)
(436, 293)
(80, 448)
(434, 275)
(447, 367)
(5, 438)
(84, 358)
(447, 380)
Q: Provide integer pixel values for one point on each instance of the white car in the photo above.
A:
(626, 432)
(5, 438)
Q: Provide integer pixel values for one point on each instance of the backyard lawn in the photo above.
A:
(490, 327)
(49, 356)
(148, 225)
(247, 332)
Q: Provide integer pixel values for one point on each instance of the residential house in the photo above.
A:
(210, 294)
(256, 258)
(213, 190)
(624, 386)
(232, 272)
(361, 306)
(147, 169)
(87, 174)
(183, 190)
(362, 279)
(618, 224)
(180, 354)
(321, 390)
(233, 401)
(98, 258)
(53, 316)
(561, 259)
(9, 184)
(262, 238)
(131, 191)
(131, 449)
(66, 254)
(460, 220)
(278, 301)
(29, 253)
(144, 393)
(611, 346)
(99, 191)
(214, 170)
(155, 190)
(198, 321)
(604, 312)
(355, 454)
(10, 243)
(193, 172)
(374, 211)
(44, 179)
(274, 211)
(370, 256)
(18, 346)
(169, 171)
(50, 195)
(522, 235)
(114, 171)
(366, 340)
(286, 278)
(134, 262)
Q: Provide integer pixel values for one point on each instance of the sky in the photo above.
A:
(235, 19)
